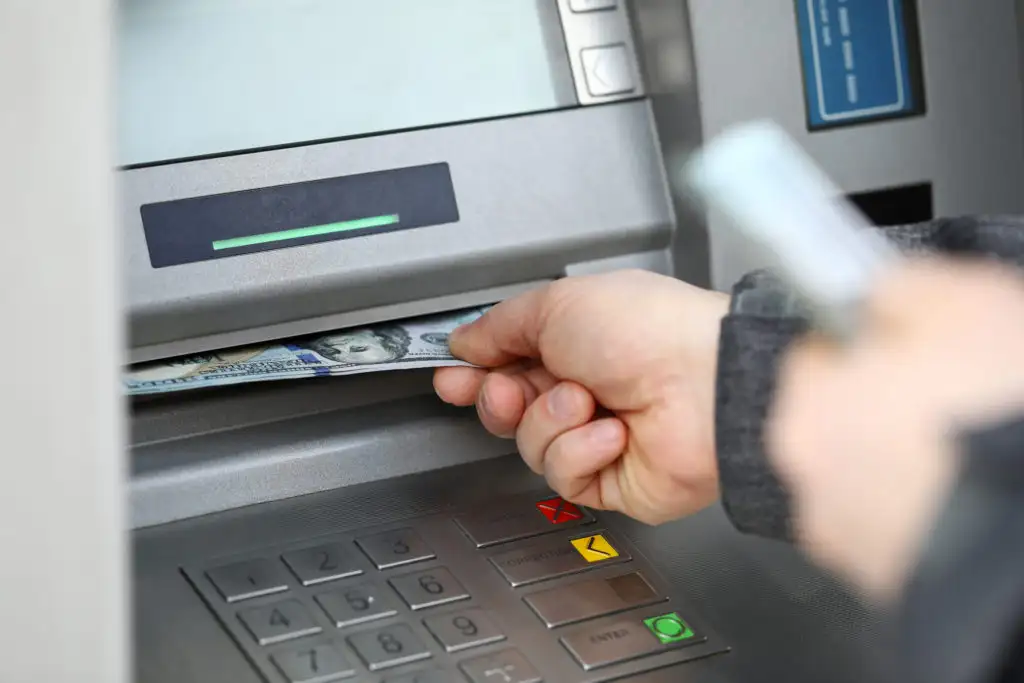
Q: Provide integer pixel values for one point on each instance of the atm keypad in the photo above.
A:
(517, 591)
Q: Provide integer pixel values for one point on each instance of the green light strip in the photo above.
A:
(343, 226)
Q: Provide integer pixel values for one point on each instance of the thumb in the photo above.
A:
(507, 332)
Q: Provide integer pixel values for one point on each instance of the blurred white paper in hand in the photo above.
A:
(784, 206)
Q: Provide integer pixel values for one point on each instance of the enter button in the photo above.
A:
(629, 638)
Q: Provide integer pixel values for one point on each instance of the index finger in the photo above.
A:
(505, 333)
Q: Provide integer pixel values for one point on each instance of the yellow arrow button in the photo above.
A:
(594, 548)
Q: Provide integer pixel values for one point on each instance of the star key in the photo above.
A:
(559, 511)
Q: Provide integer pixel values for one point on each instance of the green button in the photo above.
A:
(669, 628)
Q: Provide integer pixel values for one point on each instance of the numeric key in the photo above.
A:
(318, 663)
(278, 622)
(507, 666)
(463, 630)
(356, 604)
(249, 579)
(395, 548)
(323, 563)
(429, 588)
(388, 647)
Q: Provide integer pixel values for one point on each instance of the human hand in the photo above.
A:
(863, 436)
(637, 346)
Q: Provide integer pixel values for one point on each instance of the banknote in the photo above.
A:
(413, 343)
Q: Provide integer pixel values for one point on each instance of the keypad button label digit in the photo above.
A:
(430, 585)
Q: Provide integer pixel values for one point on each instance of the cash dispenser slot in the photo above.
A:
(238, 444)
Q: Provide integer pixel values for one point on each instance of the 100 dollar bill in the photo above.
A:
(409, 344)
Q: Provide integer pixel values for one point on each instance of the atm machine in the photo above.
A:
(355, 528)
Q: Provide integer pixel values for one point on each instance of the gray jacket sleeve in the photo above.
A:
(763, 319)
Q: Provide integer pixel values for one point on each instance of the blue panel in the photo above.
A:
(855, 60)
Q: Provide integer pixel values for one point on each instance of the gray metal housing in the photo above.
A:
(542, 195)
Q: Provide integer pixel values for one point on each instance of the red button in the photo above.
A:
(559, 511)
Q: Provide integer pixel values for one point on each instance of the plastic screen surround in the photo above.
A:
(208, 77)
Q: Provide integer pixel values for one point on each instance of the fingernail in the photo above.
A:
(481, 404)
(604, 432)
(562, 402)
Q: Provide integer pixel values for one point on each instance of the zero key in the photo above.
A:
(506, 666)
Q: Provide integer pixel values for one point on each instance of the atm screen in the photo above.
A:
(203, 78)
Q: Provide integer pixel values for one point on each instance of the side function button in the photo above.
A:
(518, 519)
(278, 622)
(507, 666)
(592, 598)
(395, 548)
(603, 645)
(592, 5)
(669, 628)
(559, 511)
(249, 579)
(388, 647)
(608, 70)
(558, 557)
(323, 563)
(356, 604)
(429, 588)
(319, 663)
(463, 630)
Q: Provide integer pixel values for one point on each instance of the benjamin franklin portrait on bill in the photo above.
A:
(366, 346)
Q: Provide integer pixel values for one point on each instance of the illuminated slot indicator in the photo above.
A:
(313, 231)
